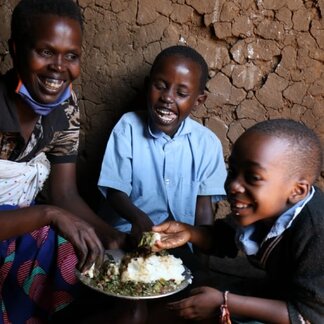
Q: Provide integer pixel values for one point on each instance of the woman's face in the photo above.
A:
(52, 61)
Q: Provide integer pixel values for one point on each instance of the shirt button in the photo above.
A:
(167, 181)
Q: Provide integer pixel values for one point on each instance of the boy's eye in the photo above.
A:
(159, 85)
(183, 94)
(45, 52)
(71, 57)
(251, 177)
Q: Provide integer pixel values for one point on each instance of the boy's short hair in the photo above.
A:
(25, 14)
(304, 155)
(187, 52)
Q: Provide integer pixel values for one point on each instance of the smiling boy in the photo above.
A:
(270, 185)
(159, 163)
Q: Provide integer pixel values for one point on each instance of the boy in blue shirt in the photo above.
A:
(159, 164)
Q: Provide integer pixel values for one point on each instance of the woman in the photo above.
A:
(39, 131)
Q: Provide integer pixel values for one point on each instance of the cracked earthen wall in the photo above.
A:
(265, 57)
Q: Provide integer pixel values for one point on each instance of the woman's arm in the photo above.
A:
(24, 220)
(64, 193)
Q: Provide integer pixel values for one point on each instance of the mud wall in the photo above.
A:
(265, 57)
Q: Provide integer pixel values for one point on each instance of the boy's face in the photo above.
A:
(174, 90)
(52, 61)
(258, 184)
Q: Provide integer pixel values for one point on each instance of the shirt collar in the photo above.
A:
(184, 129)
(245, 236)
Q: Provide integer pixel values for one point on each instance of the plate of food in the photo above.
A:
(141, 274)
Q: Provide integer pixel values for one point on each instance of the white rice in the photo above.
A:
(154, 268)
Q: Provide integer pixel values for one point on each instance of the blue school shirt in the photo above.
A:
(160, 174)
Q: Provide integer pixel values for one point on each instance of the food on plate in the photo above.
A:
(140, 273)
(152, 268)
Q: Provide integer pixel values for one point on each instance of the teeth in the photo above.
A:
(164, 112)
(53, 84)
(166, 115)
(240, 205)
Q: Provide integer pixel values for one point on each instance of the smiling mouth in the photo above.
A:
(52, 85)
(239, 207)
(165, 116)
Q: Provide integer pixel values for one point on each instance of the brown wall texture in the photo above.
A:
(266, 60)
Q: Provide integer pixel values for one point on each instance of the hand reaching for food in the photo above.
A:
(172, 234)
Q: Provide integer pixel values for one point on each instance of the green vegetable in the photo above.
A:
(147, 241)
(107, 279)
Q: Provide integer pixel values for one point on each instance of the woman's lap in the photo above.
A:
(37, 275)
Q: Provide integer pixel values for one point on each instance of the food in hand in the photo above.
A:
(148, 240)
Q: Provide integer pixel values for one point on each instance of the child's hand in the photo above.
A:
(173, 234)
(144, 225)
(203, 303)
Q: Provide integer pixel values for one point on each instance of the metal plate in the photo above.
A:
(117, 254)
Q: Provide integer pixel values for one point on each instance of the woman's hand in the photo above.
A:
(203, 303)
(82, 236)
(173, 234)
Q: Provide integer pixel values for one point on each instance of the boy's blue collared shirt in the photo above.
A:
(244, 234)
(162, 175)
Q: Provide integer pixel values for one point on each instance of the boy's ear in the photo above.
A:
(300, 191)
(200, 99)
